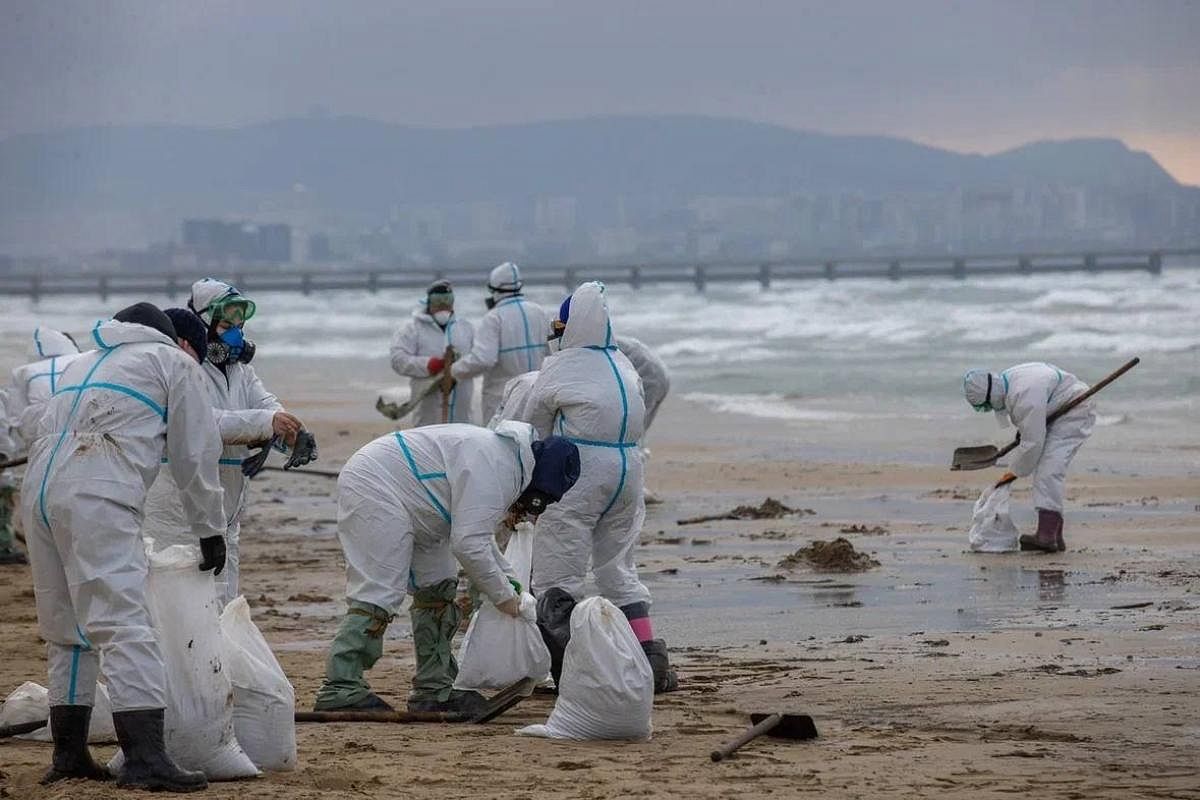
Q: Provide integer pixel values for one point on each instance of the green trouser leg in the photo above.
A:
(7, 496)
(435, 618)
(355, 649)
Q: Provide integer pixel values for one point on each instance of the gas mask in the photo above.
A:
(231, 347)
(490, 302)
(531, 503)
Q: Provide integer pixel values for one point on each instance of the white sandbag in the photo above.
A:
(992, 528)
(183, 606)
(499, 650)
(30, 702)
(607, 688)
(264, 702)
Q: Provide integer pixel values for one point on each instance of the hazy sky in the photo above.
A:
(971, 75)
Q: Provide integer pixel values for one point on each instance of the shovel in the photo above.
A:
(778, 726)
(402, 410)
(502, 701)
(984, 456)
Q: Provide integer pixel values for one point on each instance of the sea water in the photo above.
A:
(827, 355)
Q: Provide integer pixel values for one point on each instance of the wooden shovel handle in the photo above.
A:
(1128, 365)
(749, 735)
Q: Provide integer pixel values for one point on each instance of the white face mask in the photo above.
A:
(442, 317)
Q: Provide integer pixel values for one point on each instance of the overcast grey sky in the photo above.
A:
(976, 76)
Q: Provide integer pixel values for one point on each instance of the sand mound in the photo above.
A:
(835, 556)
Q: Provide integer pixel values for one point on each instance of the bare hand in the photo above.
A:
(286, 426)
(511, 606)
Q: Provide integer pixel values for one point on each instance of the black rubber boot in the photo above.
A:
(554, 608)
(72, 759)
(147, 765)
(1049, 531)
(13, 557)
(460, 702)
(665, 679)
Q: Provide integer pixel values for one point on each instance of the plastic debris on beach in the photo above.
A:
(833, 556)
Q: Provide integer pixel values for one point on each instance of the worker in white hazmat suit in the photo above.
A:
(249, 413)
(590, 393)
(1025, 395)
(117, 412)
(510, 340)
(29, 389)
(418, 350)
(32, 384)
(656, 380)
(412, 506)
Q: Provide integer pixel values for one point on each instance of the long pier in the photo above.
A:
(308, 279)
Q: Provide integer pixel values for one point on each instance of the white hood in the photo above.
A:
(505, 279)
(522, 434)
(109, 333)
(48, 342)
(588, 324)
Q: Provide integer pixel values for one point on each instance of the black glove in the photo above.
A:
(212, 552)
(252, 465)
(304, 451)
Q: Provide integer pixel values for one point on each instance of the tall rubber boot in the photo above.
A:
(1058, 535)
(435, 618)
(147, 765)
(554, 607)
(1049, 530)
(665, 679)
(72, 759)
(9, 554)
(356, 647)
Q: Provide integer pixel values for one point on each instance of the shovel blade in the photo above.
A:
(792, 726)
(981, 457)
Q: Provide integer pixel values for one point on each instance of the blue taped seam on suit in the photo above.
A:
(422, 477)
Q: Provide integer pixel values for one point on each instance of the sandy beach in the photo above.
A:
(937, 673)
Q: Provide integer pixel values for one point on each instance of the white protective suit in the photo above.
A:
(1028, 393)
(656, 380)
(591, 394)
(32, 384)
(243, 410)
(118, 411)
(412, 502)
(422, 339)
(510, 340)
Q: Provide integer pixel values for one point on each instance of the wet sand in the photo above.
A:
(937, 673)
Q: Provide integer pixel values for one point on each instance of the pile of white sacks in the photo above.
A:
(230, 708)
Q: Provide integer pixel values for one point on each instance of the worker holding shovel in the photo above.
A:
(424, 349)
(1029, 396)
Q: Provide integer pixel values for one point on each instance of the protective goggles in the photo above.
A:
(233, 309)
(442, 301)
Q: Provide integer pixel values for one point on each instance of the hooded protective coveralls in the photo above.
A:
(1027, 394)
(117, 412)
(656, 380)
(412, 506)
(246, 410)
(510, 340)
(32, 384)
(591, 394)
(421, 339)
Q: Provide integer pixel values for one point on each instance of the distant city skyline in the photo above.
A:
(981, 77)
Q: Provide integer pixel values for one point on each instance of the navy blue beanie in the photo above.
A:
(191, 329)
(555, 467)
(564, 311)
